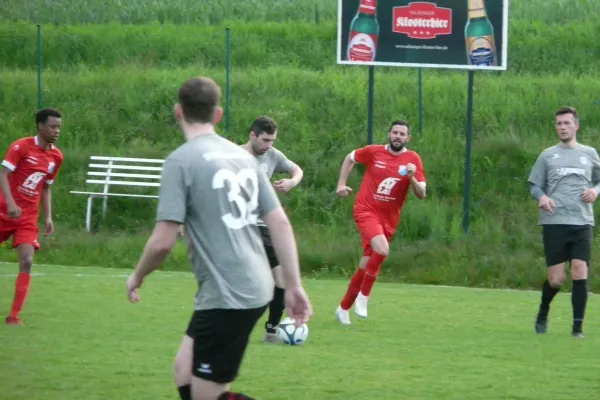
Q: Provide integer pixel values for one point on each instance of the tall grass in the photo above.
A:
(534, 47)
(128, 112)
(64, 12)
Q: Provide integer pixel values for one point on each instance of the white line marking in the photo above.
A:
(182, 274)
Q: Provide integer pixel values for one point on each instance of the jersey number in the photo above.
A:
(245, 179)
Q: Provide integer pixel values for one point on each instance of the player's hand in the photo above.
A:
(546, 204)
(411, 169)
(283, 185)
(49, 227)
(14, 211)
(181, 230)
(343, 190)
(297, 305)
(133, 284)
(589, 195)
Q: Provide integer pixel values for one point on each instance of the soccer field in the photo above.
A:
(84, 340)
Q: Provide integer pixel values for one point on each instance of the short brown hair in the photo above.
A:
(263, 124)
(199, 98)
(400, 122)
(568, 110)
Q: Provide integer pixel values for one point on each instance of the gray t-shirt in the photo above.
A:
(271, 162)
(563, 174)
(218, 191)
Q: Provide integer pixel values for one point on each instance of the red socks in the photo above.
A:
(353, 289)
(363, 280)
(372, 271)
(21, 291)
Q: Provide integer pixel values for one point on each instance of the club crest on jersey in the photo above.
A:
(402, 170)
(583, 160)
(264, 168)
(51, 167)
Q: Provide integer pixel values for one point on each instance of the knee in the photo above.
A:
(381, 246)
(556, 281)
(182, 370)
(25, 263)
(579, 269)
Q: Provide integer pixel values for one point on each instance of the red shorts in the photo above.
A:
(371, 225)
(22, 232)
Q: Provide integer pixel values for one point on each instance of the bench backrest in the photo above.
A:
(124, 171)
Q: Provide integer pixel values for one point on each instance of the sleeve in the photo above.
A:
(54, 172)
(538, 172)
(282, 163)
(267, 197)
(364, 155)
(13, 156)
(420, 172)
(172, 199)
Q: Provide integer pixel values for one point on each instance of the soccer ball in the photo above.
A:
(290, 334)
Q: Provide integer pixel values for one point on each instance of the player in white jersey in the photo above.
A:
(218, 192)
(565, 181)
(263, 134)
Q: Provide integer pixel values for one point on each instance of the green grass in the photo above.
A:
(84, 340)
(534, 46)
(128, 112)
(193, 12)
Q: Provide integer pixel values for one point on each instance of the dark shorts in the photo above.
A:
(266, 238)
(220, 341)
(563, 243)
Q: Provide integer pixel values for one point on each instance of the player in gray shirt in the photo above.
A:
(263, 134)
(217, 190)
(564, 181)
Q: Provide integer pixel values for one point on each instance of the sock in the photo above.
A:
(353, 289)
(276, 307)
(371, 273)
(21, 290)
(185, 392)
(578, 300)
(548, 293)
(234, 396)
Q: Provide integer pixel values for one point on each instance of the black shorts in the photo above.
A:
(266, 238)
(220, 340)
(563, 243)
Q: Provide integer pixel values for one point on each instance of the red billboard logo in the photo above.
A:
(422, 20)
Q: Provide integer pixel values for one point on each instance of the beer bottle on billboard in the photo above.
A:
(364, 33)
(479, 35)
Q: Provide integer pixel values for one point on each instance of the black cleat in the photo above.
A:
(541, 326)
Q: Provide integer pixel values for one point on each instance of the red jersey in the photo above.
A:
(31, 167)
(386, 183)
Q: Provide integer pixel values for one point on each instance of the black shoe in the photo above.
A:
(541, 326)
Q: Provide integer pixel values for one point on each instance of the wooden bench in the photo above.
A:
(105, 171)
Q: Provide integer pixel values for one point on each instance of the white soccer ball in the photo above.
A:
(290, 334)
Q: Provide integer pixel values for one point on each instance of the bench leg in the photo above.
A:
(88, 214)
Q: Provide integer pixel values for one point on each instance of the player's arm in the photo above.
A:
(537, 184)
(171, 214)
(285, 165)
(9, 164)
(363, 156)
(417, 179)
(590, 195)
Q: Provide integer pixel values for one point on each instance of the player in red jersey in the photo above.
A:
(28, 169)
(391, 170)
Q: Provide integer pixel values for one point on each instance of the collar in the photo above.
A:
(37, 142)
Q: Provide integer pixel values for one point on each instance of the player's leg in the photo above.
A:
(556, 254)
(219, 346)
(277, 304)
(369, 228)
(381, 249)
(580, 255)
(182, 368)
(25, 241)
